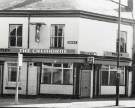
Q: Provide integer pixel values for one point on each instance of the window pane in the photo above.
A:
(60, 32)
(67, 77)
(15, 38)
(105, 68)
(123, 42)
(113, 68)
(66, 65)
(57, 39)
(12, 71)
(104, 75)
(47, 64)
(19, 30)
(46, 76)
(112, 78)
(59, 42)
(12, 30)
(57, 76)
(57, 65)
(56, 30)
(19, 41)
(12, 64)
(13, 74)
(12, 41)
(122, 78)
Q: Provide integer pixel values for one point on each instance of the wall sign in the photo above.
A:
(114, 54)
(20, 59)
(90, 59)
(72, 42)
(88, 53)
(9, 50)
(37, 51)
(48, 51)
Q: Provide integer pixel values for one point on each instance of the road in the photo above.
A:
(67, 103)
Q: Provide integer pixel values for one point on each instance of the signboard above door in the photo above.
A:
(114, 54)
(37, 51)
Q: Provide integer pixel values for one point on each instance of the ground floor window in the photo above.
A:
(12, 72)
(57, 73)
(108, 75)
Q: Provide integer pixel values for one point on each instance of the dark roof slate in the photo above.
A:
(37, 5)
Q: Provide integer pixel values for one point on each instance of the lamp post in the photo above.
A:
(128, 8)
(118, 55)
(20, 60)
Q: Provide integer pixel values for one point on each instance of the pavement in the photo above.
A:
(67, 103)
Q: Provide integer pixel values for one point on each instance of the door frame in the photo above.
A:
(1, 76)
(80, 79)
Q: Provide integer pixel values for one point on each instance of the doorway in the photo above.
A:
(85, 77)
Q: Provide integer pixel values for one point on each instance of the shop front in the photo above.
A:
(57, 78)
(108, 80)
(43, 72)
(105, 76)
(52, 72)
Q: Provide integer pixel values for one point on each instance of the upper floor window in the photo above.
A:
(57, 36)
(122, 42)
(15, 35)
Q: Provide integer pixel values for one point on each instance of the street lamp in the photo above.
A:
(128, 8)
(118, 55)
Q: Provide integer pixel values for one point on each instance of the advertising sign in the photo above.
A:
(20, 59)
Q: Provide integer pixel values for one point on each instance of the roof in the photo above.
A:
(96, 6)
(37, 5)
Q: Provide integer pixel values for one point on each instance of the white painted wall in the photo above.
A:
(111, 90)
(4, 29)
(56, 89)
(130, 84)
(99, 36)
(92, 35)
(71, 32)
(22, 82)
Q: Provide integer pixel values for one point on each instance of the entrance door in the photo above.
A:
(1, 77)
(32, 81)
(84, 83)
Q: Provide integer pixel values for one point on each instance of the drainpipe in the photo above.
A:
(28, 31)
(28, 48)
(133, 62)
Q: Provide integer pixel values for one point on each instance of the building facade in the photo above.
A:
(65, 52)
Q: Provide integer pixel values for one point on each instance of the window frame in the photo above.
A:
(16, 46)
(125, 44)
(109, 73)
(53, 36)
(62, 73)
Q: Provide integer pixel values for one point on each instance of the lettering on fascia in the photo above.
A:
(43, 51)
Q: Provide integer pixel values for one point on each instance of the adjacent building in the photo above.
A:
(66, 50)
